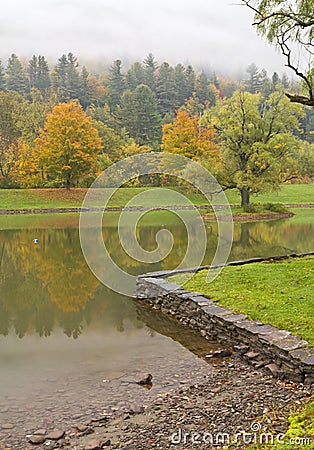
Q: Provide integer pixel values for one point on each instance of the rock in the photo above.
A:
(36, 439)
(101, 418)
(7, 426)
(94, 444)
(82, 428)
(106, 443)
(56, 435)
(260, 364)
(40, 432)
(137, 409)
(241, 349)
(274, 370)
(219, 354)
(146, 380)
(252, 355)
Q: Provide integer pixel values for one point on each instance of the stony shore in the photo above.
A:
(233, 399)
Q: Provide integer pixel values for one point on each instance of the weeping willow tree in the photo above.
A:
(289, 25)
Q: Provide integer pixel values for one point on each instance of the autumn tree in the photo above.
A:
(68, 144)
(92, 91)
(289, 25)
(188, 137)
(257, 141)
(24, 172)
(12, 108)
(35, 113)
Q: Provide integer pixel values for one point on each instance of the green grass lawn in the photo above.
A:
(278, 293)
(288, 194)
(58, 198)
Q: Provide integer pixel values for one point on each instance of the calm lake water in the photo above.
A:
(69, 346)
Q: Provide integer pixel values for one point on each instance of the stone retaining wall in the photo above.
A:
(279, 352)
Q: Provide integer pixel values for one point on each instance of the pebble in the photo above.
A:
(231, 382)
(228, 401)
(7, 426)
(37, 439)
(94, 444)
(56, 435)
(40, 432)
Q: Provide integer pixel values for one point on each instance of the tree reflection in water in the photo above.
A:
(49, 286)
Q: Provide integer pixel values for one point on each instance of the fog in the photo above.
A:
(212, 34)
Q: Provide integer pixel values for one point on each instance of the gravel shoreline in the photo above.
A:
(234, 398)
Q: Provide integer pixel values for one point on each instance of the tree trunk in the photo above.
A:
(68, 183)
(245, 235)
(245, 197)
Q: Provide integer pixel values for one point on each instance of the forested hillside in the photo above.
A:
(148, 106)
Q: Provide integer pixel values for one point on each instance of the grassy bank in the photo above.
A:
(278, 293)
(300, 432)
(61, 198)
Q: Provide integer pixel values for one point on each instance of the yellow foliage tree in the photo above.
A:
(187, 137)
(25, 169)
(68, 146)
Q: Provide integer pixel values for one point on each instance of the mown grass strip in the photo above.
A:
(278, 293)
(61, 198)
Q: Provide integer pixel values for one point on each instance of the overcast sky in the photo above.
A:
(214, 34)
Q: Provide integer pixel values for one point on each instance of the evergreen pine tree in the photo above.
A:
(190, 81)
(73, 77)
(2, 77)
(135, 76)
(16, 78)
(33, 71)
(116, 84)
(148, 119)
(266, 84)
(43, 82)
(203, 91)
(60, 77)
(66, 78)
(254, 83)
(285, 81)
(140, 117)
(180, 85)
(166, 90)
(85, 94)
(150, 67)
(275, 80)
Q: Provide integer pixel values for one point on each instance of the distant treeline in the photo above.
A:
(147, 106)
(171, 86)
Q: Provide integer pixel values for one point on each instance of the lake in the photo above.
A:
(70, 348)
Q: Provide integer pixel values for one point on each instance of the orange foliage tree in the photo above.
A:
(187, 137)
(68, 146)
